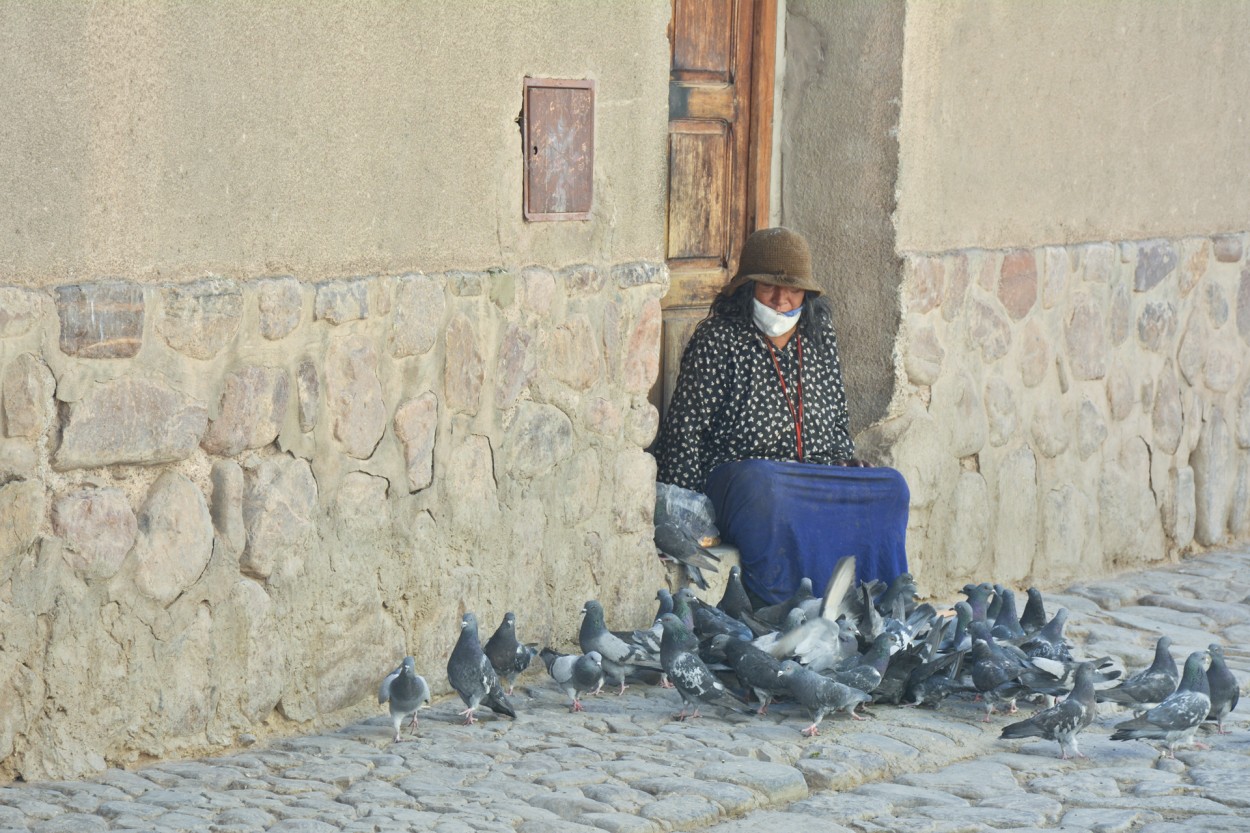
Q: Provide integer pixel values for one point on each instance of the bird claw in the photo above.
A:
(811, 731)
(469, 719)
(577, 706)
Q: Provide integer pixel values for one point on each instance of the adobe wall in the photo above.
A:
(286, 383)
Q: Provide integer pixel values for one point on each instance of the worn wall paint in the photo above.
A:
(1065, 122)
(161, 141)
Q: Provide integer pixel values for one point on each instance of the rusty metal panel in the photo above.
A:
(558, 123)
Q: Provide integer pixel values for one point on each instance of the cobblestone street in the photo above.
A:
(625, 765)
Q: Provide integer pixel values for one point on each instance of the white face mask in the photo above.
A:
(775, 323)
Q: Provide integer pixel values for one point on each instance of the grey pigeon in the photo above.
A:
(406, 692)
(1175, 720)
(1033, 617)
(865, 672)
(507, 655)
(1049, 642)
(996, 675)
(1063, 721)
(689, 675)
(676, 543)
(756, 670)
(575, 674)
(472, 676)
(1225, 692)
(979, 599)
(735, 600)
(710, 621)
(1149, 686)
(618, 656)
(1007, 623)
(820, 695)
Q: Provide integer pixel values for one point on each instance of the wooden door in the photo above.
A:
(719, 156)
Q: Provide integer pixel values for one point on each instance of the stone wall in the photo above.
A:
(229, 506)
(1066, 411)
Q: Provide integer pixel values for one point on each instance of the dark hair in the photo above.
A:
(815, 320)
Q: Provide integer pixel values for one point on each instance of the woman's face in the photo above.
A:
(780, 298)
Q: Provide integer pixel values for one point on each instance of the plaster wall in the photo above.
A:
(1025, 124)
(166, 141)
(839, 157)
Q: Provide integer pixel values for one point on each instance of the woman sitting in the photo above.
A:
(758, 422)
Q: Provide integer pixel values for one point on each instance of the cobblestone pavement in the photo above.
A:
(626, 765)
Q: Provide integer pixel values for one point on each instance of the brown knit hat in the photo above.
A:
(778, 257)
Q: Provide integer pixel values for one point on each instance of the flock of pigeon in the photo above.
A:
(858, 644)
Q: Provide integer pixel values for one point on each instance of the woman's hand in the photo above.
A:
(853, 462)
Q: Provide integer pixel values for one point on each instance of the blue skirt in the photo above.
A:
(790, 520)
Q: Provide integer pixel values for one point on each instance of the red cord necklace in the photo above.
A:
(796, 412)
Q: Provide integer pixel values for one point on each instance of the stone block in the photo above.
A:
(280, 513)
(515, 365)
(199, 319)
(603, 417)
(642, 421)
(308, 390)
(1155, 261)
(100, 320)
(464, 371)
(582, 477)
(174, 540)
(571, 353)
(354, 395)
(226, 507)
(642, 273)
(1001, 415)
(1227, 247)
(988, 329)
(1128, 520)
(22, 507)
(1017, 283)
(1121, 396)
(1212, 462)
(341, 301)
(1034, 353)
(251, 412)
(1222, 365)
(957, 406)
(967, 549)
(957, 280)
(1216, 304)
(1098, 262)
(1120, 315)
(1167, 417)
(923, 359)
(130, 420)
(1239, 516)
(536, 290)
(417, 319)
(1063, 545)
(1047, 428)
(1086, 339)
(1191, 354)
(416, 426)
(280, 303)
(1182, 510)
(265, 663)
(1243, 305)
(17, 459)
(633, 492)
(582, 279)
(1195, 257)
(1091, 429)
(1242, 430)
(1056, 275)
(1015, 516)
(539, 438)
(28, 389)
(641, 363)
(470, 485)
(19, 309)
(924, 285)
(98, 528)
(1156, 325)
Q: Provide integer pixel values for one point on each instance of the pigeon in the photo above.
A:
(979, 599)
(508, 656)
(775, 615)
(619, 658)
(406, 692)
(710, 621)
(755, 669)
(1007, 623)
(575, 674)
(1224, 690)
(865, 672)
(1048, 641)
(820, 695)
(676, 543)
(1175, 720)
(693, 680)
(735, 600)
(1149, 686)
(1034, 615)
(996, 675)
(1063, 721)
(472, 676)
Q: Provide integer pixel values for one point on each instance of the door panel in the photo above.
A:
(720, 156)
